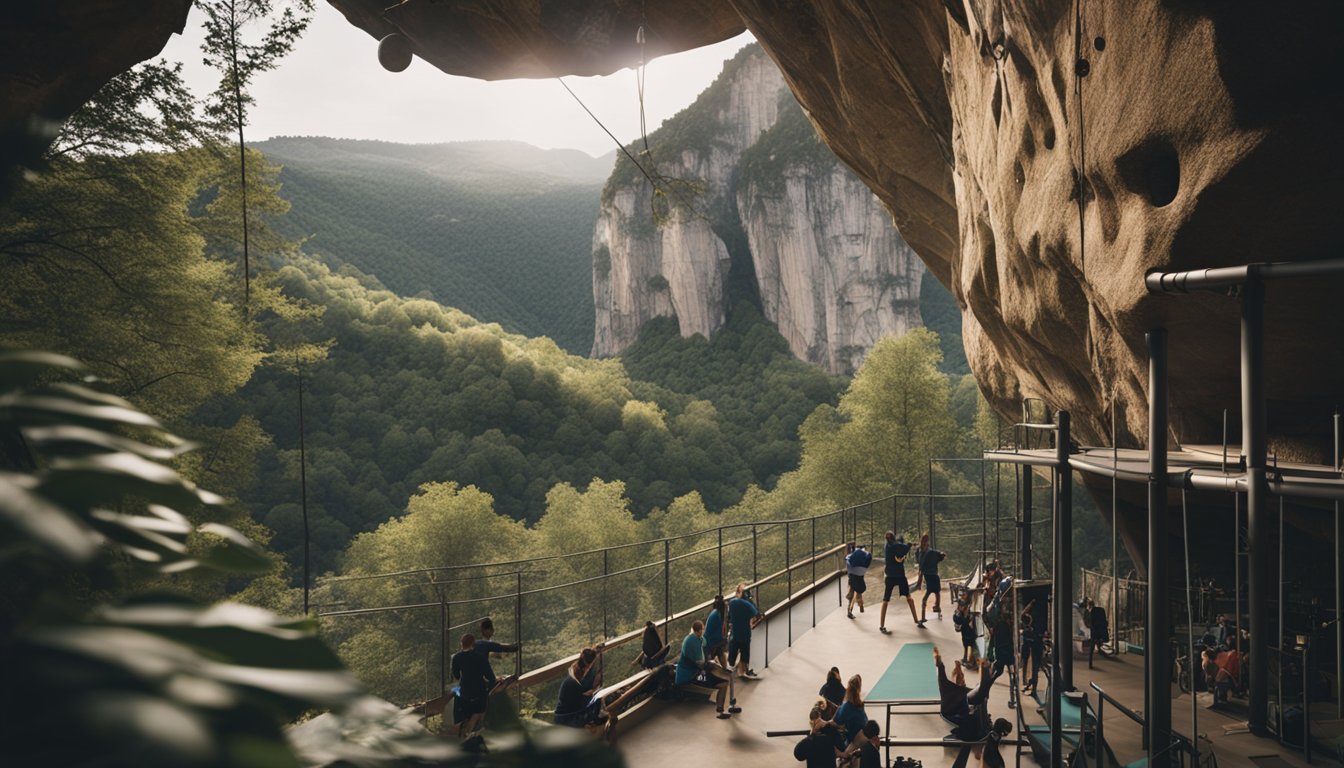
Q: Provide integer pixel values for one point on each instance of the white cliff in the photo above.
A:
(831, 270)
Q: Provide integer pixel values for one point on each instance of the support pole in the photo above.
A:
(788, 578)
(1157, 647)
(813, 558)
(1254, 444)
(1061, 674)
(720, 592)
(933, 538)
(1024, 527)
(1115, 533)
(1339, 592)
(605, 598)
(667, 588)
(518, 628)
(443, 646)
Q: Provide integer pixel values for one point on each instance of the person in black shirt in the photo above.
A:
(833, 690)
(485, 646)
(894, 553)
(469, 669)
(928, 567)
(577, 706)
(1031, 651)
(868, 743)
(992, 758)
(654, 651)
(821, 747)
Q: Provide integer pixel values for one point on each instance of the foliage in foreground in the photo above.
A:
(87, 498)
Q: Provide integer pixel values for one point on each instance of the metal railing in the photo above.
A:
(397, 630)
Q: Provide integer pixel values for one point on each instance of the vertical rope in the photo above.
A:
(1190, 634)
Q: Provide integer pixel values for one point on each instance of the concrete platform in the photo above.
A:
(684, 735)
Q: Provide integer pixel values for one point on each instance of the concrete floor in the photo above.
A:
(687, 735)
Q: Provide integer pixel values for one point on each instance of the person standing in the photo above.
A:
(716, 639)
(928, 569)
(919, 559)
(469, 669)
(1031, 652)
(486, 646)
(964, 621)
(857, 562)
(743, 617)
(894, 554)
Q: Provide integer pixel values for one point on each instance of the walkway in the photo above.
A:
(688, 735)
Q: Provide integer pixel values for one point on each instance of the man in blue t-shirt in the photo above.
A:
(742, 618)
(694, 669)
(894, 553)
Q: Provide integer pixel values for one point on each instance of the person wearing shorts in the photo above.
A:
(856, 563)
(894, 553)
(928, 566)
(469, 668)
(742, 618)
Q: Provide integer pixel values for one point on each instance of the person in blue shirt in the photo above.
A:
(694, 669)
(851, 715)
(716, 639)
(742, 618)
(894, 553)
(856, 563)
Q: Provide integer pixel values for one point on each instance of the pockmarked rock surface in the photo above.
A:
(740, 175)
(1038, 188)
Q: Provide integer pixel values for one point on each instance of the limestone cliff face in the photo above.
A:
(833, 273)
(743, 166)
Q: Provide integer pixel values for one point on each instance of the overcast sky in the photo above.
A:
(332, 85)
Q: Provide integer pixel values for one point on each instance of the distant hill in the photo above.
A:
(499, 229)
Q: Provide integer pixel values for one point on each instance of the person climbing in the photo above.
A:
(856, 563)
(964, 708)
(894, 553)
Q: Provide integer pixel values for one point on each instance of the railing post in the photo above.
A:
(933, 538)
(788, 577)
(443, 646)
(1157, 644)
(720, 592)
(667, 588)
(753, 553)
(814, 571)
(518, 627)
(605, 571)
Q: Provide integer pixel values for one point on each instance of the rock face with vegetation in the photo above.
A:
(745, 198)
(1196, 135)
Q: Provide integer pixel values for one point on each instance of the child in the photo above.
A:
(965, 623)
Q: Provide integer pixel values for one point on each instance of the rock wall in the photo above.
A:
(743, 165)
(833, 273)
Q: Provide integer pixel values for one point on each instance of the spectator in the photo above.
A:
(851, 715)
(486, 646)
(1031, 652)
(823, 744)
(869, 746)
(654, 651)
(694, 669)
(469, 669)
(716, 640)
(964, 621)
(742, 618)
(578, 705)
(833, 690)
(993, 758)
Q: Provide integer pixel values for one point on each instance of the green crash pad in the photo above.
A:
(911, 676)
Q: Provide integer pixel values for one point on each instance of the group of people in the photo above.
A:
(838, 727)
(895, 553)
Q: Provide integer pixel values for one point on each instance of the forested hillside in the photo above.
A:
(413, 392)
(501, 230)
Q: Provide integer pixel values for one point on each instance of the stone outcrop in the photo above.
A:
(1197, 134)
(742, 170)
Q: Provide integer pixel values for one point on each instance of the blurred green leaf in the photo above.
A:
(67, 440)
(236, 554)
(19, 368)
(36, 517)
(48, 409)
(102, 479)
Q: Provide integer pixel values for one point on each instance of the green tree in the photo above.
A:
(239, 58)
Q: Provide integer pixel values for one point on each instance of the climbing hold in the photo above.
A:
(639, 35)
(1082, 67)
(1099, 43)
(999, 51)
(394, 52)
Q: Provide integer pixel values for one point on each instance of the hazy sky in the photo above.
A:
(332, 85)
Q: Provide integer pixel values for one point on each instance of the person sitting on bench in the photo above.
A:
(655, 650)
(578, 707)
(694, 670)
